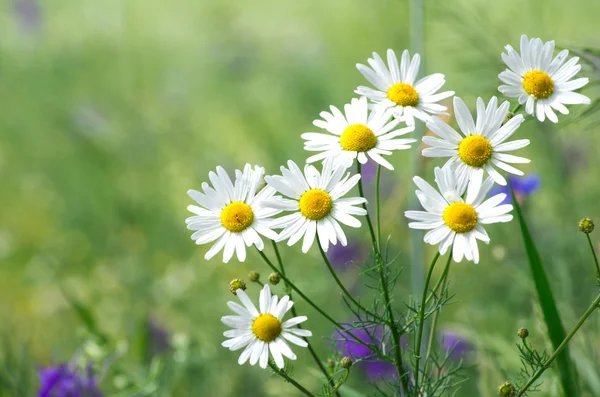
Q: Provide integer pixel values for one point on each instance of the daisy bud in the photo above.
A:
(507, 389)
(236, 284)
(274, 278)
(254, 276)
(509, 115)
(346, 362)
(586, 225)
(523, 333)
(331, 365)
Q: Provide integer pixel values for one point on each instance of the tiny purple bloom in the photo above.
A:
(522, 186)
(455, 345)
(63, 381)
(29, 14)
(369, 171)
(374, 367)
(158, 338)
(340, 256)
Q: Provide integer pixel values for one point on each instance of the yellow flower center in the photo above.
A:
(237, 216)
(315, 204)
(403, 94)
(266, 327)
(460, 217)
(538, 84)
(358, 138)
(475, 150)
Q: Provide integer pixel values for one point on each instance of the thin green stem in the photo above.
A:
(290, 380)
(422, 320)
(441, 280)
(594, 253)
(402, 374)
(517, 108)
(377, 207)
(312, 351)
(560, 348)
(343, 288)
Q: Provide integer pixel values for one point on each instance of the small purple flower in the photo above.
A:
(158, 338)
(340, 256)
(522, 186)
(375, 367)
(29, 14)
(63, 381)
(369, 171)
(455, 345)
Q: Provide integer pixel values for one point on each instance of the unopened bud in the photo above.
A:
(274, 278)
(586, 225)
(236, 284)
(507, 389)
(254, 276)
(346, 362)
(523, 333)
(509, 115)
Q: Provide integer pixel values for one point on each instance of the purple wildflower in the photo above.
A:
(63, 381)
(369, 171)
(455, 345)
(158, 338)
(374, 367)
(29, 14)
(522, 186)
(340, 256)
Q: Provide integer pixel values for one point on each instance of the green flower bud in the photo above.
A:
(586, 225)
(236, 284)
(523, 333)
(509, 115)
(274, 278)
(507, 389)
(254, 276)
(346, 362)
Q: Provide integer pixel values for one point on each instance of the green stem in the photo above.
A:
(290, 380)
(343, 288)
(516, 108)
(560, 348)
(295, 314)
(422, 320)
(402, 374)
(594, 253)
(377, 209)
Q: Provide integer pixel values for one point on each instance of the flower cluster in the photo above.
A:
(313, 203)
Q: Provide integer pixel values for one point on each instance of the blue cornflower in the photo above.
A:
(522, 186)
(65, 381)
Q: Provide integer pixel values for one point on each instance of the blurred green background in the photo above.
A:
(110, 110)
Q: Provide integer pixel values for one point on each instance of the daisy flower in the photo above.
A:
(480, 145)
(454, 221)
(232, 213)
(264, 331)
(316, 199)
(397, 90)
(539, 82)
(356, 134)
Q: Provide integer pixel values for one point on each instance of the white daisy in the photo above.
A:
(316, 201)
(453, 221)
(539, 82)
(357, 134)
(264, 331)
(481, 145)
(397, 90)
(232, 213)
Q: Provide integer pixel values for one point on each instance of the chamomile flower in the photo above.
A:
(480, 145)
(397, 89)
(264, 331)
(232, 213)
(356, 135)
(317, 203)
(539, 82)
(454, 221)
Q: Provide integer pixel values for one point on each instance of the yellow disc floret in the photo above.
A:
(475, 150)
(266, 327)
(358, 138)
(315, 204)
(237, 216)
(460, 217)
(538, 84)
(403, 94)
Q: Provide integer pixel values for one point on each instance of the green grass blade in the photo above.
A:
(556, 331)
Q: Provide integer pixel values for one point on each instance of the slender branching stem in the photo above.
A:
(516, 108)
(384, 286)
(295, 314)
(377, 207)
(594, 254)
(290, 380)
(560, 348)
(422, 320)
